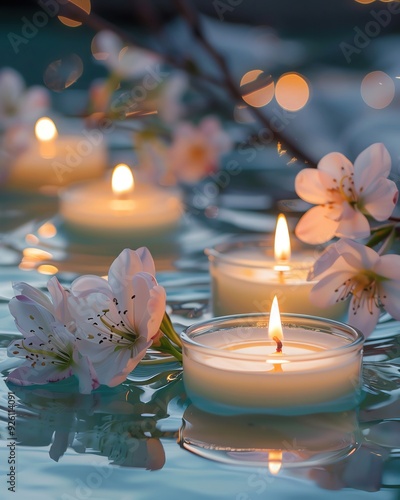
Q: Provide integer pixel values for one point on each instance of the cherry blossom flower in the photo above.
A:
(196, 151)
(347, 269)
(49, 343)
(17, 103)
(124, 316)
(345, 194)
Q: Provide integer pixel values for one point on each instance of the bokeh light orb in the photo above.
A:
(292, 92)
(263, 95)
(377, 89)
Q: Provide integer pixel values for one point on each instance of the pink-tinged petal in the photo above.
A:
(89, 284)
(144, 283)
(310, 186)
(389, 296)
(388, 266)
(83, 370)
(324, 262)
(122, 270)
(116, 367)
(336, 165)
(25, 375)
(380, 201)
(211, 128)
(357, 255)
(97, 353)
(331, 260)
(156, 309)
(373, 163)
(20, 376)
(34, 294)
(330, 289)
(29, 316)
(353, 224)
(35, 101)
(12, 87)
(147, 260)
(365, 317)
(60, 300)
(315, 227)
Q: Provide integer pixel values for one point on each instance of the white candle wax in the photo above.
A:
(245, 278)
(57, 161)
(238, 369)
(148, 210)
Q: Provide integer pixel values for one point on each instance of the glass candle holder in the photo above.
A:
(230, 366)
(245, 277)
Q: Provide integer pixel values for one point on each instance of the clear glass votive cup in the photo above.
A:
(245, 278)
(230, 366)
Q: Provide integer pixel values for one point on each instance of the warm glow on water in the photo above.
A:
(274, 461)
(47, 230)
(47, 269)
(292, 92)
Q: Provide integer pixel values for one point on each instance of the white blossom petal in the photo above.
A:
(390, 293)
(310, 187)
(388, 266)
(315, 226)
(381, 200)
(336, 165)
(371, 164)
(149, 305)
(365, 317)
(34, 294)
(356, 254)
(329, 290)
(353, 224)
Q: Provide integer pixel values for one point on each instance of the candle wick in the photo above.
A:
(281, 277)
(278, 344)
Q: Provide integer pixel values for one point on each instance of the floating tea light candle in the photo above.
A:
(306, 365)
(121, 206)
(246, 275)
(52, 159)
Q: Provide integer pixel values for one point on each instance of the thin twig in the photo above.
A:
(190, 15)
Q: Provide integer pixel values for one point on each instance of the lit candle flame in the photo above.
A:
(275, 326)
(46, 133)
(282, 241)
(45, 129)
(274, 461)
(122, 182)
